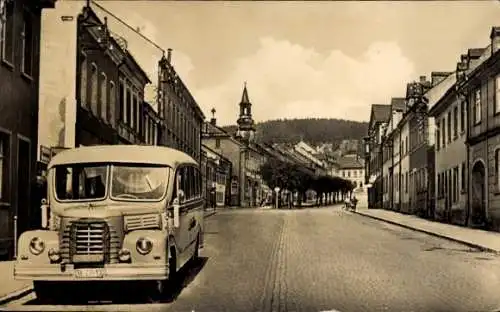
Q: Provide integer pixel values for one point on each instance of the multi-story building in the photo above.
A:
(480, 88)
(246, 156)
(352, 169)
(183, 116)
(379, 117)
(91, 86)
(217, 177)
(404, 165)
(19, 87)
(420, 160)
(390, 155)
(450, 115)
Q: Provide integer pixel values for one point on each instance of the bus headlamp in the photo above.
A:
(124, 255)
(37, 246)
(144, 246)
(54, 255)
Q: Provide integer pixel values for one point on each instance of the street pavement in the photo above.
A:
(320, 259)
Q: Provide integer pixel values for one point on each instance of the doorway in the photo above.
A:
(478, 196)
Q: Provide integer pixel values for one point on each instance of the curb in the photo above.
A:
(209, 214)
(469, 244)
(16, 295)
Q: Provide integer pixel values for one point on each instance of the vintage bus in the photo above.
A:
(114, 213)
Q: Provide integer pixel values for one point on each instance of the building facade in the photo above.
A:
(449, 114)
(246, 156)
(418, 125)
(352, 169)
(379, 117)
(20, 31)
(481, 92)
(182, 114)
(217, 175)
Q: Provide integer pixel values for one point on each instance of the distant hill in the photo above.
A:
(312, 130)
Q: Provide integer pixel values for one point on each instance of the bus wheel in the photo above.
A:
(157, 291)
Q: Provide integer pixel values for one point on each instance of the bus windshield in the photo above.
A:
(139, 182)
(126, 181)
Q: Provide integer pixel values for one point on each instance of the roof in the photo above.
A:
(398, 104)
(244, 97)
(147, 154)
(350, 163)
(381, 112)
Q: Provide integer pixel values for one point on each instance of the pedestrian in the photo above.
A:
(347, 203)
(354, 202)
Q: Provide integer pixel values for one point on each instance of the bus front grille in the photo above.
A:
(89, 241)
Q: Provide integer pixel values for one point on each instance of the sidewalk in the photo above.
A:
(11, 289)
(484, 240)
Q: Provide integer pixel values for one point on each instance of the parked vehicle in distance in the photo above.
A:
(115, 213)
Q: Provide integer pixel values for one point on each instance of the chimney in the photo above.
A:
(169, 55)
(422, 79)
(495, 39)
(213, 121)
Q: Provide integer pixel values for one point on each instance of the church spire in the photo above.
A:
(244, 96)
(246, 126)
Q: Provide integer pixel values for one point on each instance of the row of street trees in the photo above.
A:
(296, 178)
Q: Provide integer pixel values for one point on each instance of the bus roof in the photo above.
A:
(146, 154)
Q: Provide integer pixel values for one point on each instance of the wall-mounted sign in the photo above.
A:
(45, 154)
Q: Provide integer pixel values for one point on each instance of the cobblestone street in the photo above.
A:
(323, 259)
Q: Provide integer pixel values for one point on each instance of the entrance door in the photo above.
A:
(24, 206)
(478, 207)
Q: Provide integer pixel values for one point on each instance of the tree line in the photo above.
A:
(296, 178)
(311, 130)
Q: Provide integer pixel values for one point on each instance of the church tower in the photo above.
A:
(246, 125)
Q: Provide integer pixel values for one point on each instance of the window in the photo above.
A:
(477, 106)
(406, 184)
(464, 176)
(449, 127)
(455, 122)
(462, 116)
(104, 97)
(443, 133)
(497, 94)
(133, 111)
(121, 100)
(7, 33)
(112, 103)
(128, 105)
(438, 134)
(138, 112)
(439, 187)
(93, 89)
(83, 81)
(455, 183)
(27, 43)
(146, 129)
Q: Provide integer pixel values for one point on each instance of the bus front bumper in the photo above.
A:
(110, 272)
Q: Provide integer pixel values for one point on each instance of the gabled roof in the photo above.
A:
(381, 112)
(350, 163)
(398, 104)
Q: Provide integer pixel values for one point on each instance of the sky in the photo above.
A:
(303, 59)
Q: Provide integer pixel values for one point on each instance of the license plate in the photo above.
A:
(89, 273)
